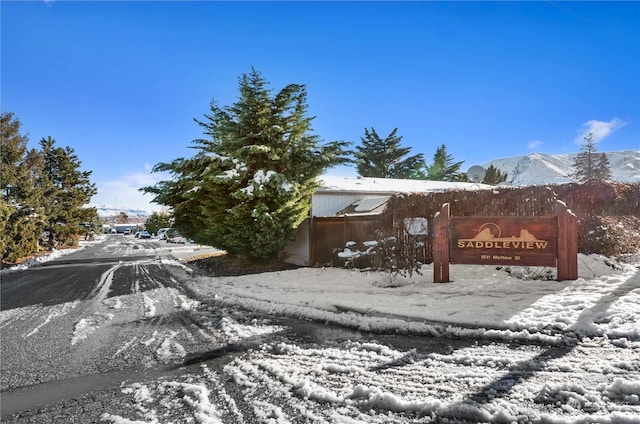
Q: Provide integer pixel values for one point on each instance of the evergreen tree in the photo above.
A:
(494, 176)
(589, 165)
(157, 220)
(65, 191)
(20, 224)
(384, 158)
(603, 169)
(13, 148)
(444, 168)
(249, 185)
(40, 189)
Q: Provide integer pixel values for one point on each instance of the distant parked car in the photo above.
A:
(161, 235)
(127, 232)
(143, 235)
(173, 236)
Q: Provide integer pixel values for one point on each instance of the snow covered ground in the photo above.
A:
(513, 350)
(603, 302)
(538, 351)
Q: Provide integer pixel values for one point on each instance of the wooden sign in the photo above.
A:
(503, 240)
(526, 241)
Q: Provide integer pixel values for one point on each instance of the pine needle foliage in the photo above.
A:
(444, 168)
(20, 225)
(249, 185)
(41, 189)
(158, 220)
(494, 176)
(63, 190)
(384, 158)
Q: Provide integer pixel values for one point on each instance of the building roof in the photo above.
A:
(331, 183)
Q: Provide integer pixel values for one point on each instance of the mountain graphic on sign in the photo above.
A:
(492, 232)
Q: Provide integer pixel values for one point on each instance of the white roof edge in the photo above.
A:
(333, 184)
(332, 190)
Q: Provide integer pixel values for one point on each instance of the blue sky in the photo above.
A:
(121, 81)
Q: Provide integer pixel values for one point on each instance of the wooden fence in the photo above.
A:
(586, 201)
(331, 234)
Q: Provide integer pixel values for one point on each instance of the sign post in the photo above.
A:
(506, 240)
(441, 246)
(567, 243)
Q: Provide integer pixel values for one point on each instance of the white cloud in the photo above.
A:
(599, 129)
(123, 192)
(533, 144)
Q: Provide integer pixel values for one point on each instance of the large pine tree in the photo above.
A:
(41, 189)
(20, 223)
(380, 158)
(589, 165)
(64, 191)
(444, 168)
(249, 185)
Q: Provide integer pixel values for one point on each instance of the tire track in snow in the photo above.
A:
(100, 292)
(55, 312)
(84, 327)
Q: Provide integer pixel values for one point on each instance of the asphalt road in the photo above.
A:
(89, 320)
(77, 329)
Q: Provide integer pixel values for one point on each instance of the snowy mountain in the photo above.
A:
(108, 211)
(542, 168)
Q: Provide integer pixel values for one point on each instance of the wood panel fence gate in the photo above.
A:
(331, 233)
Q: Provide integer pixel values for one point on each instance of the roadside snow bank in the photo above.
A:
(54, 254)
(603, 302)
